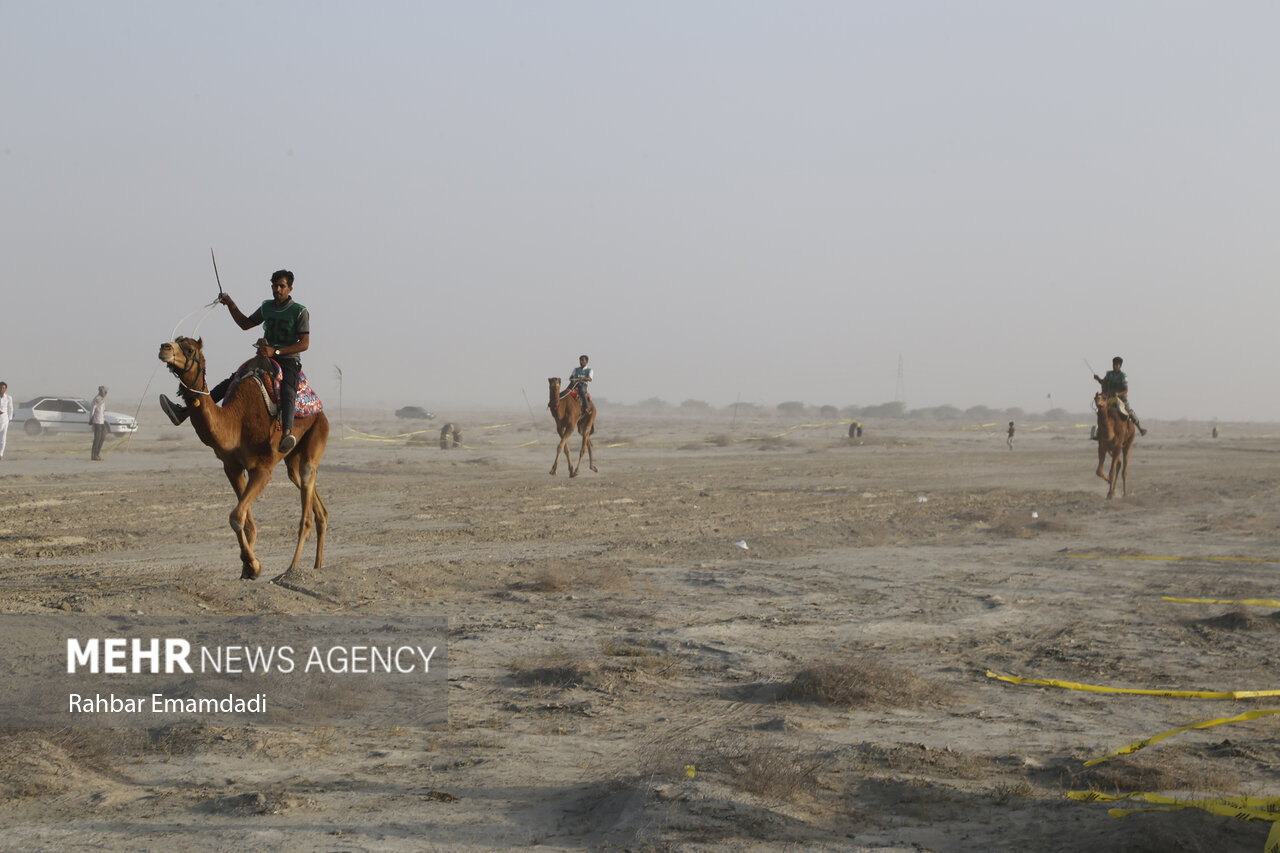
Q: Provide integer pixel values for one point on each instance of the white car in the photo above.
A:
(47, 415)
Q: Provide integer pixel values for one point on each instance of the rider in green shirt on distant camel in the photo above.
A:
(578, 381)
(1116, 384)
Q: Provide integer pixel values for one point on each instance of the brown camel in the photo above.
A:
(567, 410)
(244, 436)
(1115, 436)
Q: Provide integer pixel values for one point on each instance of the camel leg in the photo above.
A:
(236, 475)
(1124, 469)
(563, 447)
(241, 517)
(1102, 460)
(587, 447)
(303, 475)
(313, 446)
(322, 525)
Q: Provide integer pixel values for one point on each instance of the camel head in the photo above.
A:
(185, 359)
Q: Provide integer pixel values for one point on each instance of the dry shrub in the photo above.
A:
(551, 579)
(862, 681)
(560, 578)
(1170, 770)
(1242, 619)
(556, 670)
(1005, 792)
(641, 658)
(918, 760)
(259, 803)
(624, 650)
(765, 767)
(773, 771)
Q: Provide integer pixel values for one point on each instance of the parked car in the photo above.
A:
(415, 412)
(41, 415)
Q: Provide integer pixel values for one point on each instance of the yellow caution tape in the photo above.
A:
(1245, 602)
(1260, 809)
(1171, 694)
(105, 450)
(1221, 721)
(402, 435)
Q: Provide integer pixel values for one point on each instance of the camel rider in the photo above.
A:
(286, 327)
(1116, 384)
(578, 382)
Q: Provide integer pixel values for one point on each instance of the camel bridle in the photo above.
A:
(192, 385)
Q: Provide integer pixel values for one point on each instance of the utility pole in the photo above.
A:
(900, 390)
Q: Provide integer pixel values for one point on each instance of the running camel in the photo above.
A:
(567, 410)
(244, 436)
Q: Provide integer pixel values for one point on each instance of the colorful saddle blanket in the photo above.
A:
(307, 402)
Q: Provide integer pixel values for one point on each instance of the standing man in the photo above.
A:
(1010, 439)
(578, 381)
(98, 417)
(286, 327)
(1117, 384)
(6, 412)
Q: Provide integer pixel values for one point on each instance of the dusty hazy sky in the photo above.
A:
(776, 200)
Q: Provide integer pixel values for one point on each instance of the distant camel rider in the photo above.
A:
(578, 381)
(1116, 384)
(286, 327)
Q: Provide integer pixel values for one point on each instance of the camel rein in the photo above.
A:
(199, 377)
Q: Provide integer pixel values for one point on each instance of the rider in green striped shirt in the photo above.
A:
(1116, 384)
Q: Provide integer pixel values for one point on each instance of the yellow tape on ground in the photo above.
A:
(400, 436)
(1245, 602)
(1174, 559)
(1221, 721)
(1136, 691)
(1259, 809)
(105, 450)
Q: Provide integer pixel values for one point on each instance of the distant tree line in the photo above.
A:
(895, 410)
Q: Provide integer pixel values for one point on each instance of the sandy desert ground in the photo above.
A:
(622, 676)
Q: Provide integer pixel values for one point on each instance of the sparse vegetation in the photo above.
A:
(862, 681)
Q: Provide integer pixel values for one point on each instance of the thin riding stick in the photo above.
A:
(215, 270)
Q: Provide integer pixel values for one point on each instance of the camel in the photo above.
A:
(244, 436)
(567, 411)
(1115, 436)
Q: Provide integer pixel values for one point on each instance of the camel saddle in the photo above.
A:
(1120, 406)
(267, 374)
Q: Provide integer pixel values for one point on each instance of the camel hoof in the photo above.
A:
(572, 474)
(595, 469)
(249, 573)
